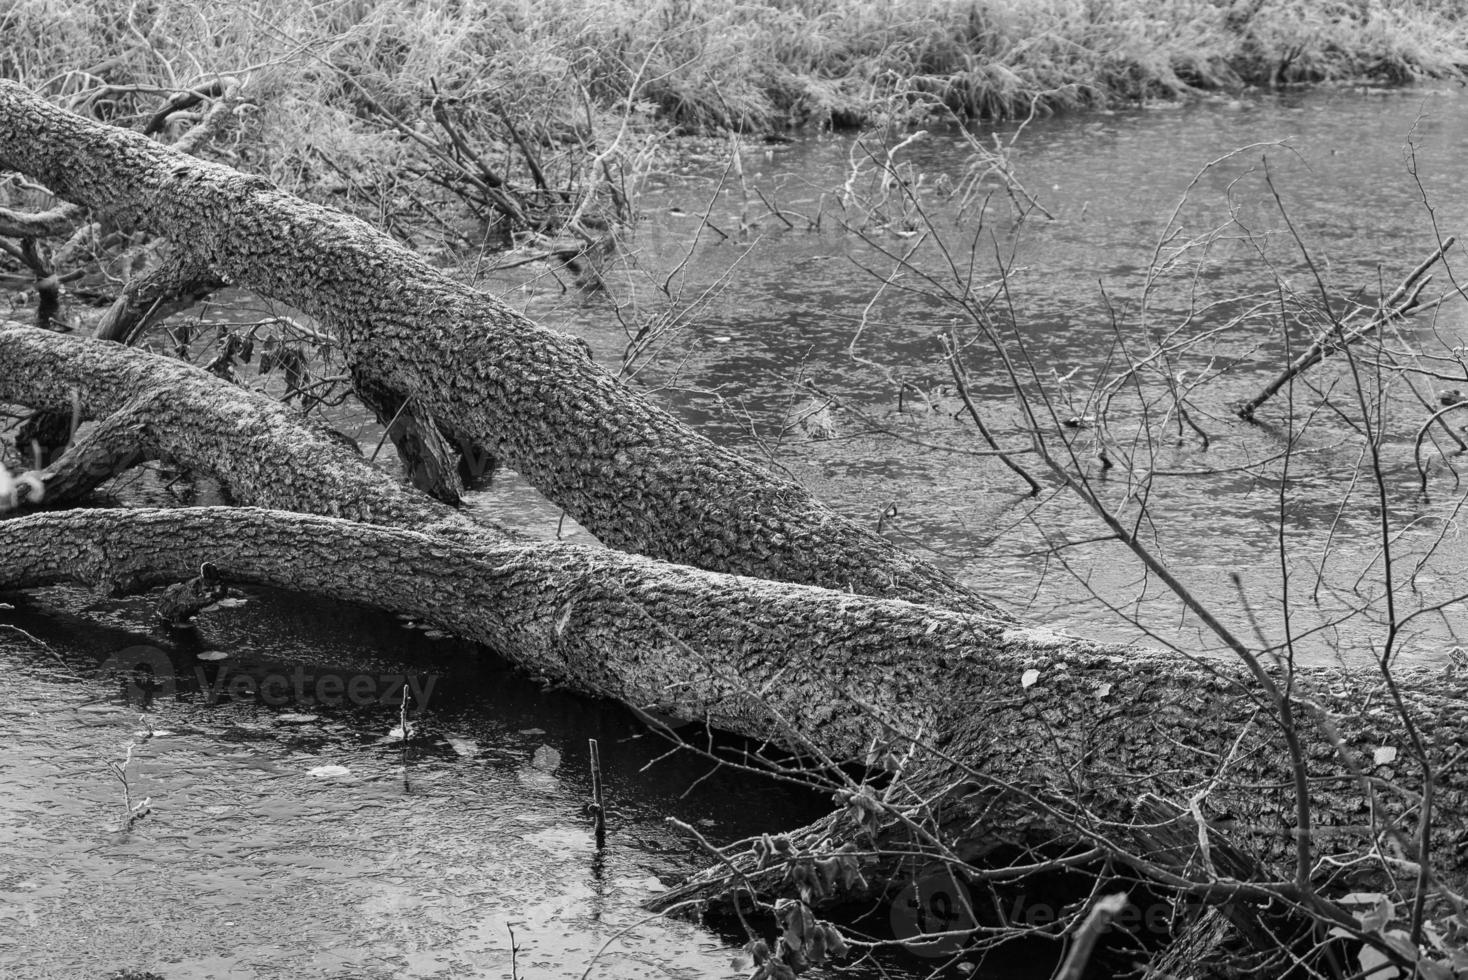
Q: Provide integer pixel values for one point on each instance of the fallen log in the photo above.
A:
(979, 730)
(627, 471)
(265, 453)
(828, 674)
(1005, 735)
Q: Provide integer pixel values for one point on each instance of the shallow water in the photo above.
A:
(292, 834)
(295, 838)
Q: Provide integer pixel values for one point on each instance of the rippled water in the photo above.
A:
(295, 838)
(799, 319)
(289, 834)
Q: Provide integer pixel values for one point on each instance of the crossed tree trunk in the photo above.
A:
(726, 595)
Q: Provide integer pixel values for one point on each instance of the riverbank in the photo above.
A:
(546, 116)
(709, 64)
(359, 97)
(706, 63)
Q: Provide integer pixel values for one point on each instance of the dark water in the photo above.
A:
(295, 838)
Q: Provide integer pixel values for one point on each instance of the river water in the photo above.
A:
(292, 833)
(301, 835)
(1167, 249)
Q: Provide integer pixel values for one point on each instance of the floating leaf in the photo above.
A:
(1385, 755)
(465, 747)
(1402, 942)
(1376, 919)
(1376, 965)
(1028, 678)
(538, 780)
(213, 655)
(1435, 971)
(329, 772)
(296, 719)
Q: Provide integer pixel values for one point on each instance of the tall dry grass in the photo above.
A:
(576, 71)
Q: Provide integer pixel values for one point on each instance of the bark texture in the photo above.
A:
(264, 452)
(995, 731)
(627, 471)
(1088, 753)
(152, 298)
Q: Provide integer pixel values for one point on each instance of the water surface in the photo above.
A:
(293, 833)
(302, 838)
(1167, 235)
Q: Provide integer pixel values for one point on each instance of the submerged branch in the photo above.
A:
(1400, 304)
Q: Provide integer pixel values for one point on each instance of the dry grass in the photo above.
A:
(574, 70)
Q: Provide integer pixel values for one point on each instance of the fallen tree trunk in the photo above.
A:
(627, 471)
(986, 731)
(265, 453)
(832, 676)
(1062, 751)
(836, 677)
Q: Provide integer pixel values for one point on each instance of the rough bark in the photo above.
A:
(1087, 754)
(627, 471)
(431, 465)
(264, 452)
(152, 298)
(832, 675)
(1103, 747)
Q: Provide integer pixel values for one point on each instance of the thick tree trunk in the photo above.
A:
(840, 677)
(991, 731)
(833, 676)
(264, 452)
(627, 471)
